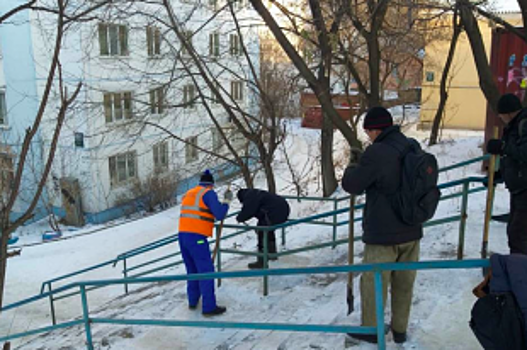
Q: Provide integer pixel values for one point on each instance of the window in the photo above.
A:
(79, 139)
(188, 37)
(214, 44)
(157, 101)
(117, 106)
(123, 167)
(188, 96)
(237, 90)
(3, 109)
(113, 40)
(213, 5)
(191, 152)
(430, 76)
(234, 41)
(238, 4)
(161, 156)
(153, 41)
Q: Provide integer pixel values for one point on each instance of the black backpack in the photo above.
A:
(417, 198)
(498, 322)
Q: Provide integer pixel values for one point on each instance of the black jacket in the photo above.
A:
(379, 174)
(270, 209)
(513, 166)
(509, 274)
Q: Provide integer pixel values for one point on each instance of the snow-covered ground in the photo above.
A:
(442, 299)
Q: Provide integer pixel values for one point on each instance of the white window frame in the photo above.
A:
(153, 41)
(117, 106)
(189, 95)
(234, 45)
(214, 44)
(3, 108)
(237, 90)
(157, 100)
(129, 161)
(191, 153)
(113, 40)
(160, 152)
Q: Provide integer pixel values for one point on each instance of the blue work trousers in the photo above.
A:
(196, 256)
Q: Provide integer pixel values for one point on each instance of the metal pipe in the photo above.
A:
(86, 318)
(379, 307)
(462, 223)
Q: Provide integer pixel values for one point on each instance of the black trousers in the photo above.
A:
(517, 226)
(271, 241)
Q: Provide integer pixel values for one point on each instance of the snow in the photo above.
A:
(442, 299)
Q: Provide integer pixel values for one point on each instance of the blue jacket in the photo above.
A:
(219, 210)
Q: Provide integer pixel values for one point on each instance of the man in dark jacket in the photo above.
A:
(387, 238)
(270, 209)
(513, 167)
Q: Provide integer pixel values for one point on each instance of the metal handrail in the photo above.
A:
(377, 269)
(244, 228)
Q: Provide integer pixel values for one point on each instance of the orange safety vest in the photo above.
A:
(195, 216)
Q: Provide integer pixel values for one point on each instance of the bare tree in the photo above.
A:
(456, 31)
(54, 82)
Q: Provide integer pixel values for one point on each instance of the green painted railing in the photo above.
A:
(126, 256)
(377, 269)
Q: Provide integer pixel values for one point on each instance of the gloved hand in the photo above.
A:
(227, 197)
(495, 146)
(355, 155)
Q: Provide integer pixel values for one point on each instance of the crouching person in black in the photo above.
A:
(270, 210)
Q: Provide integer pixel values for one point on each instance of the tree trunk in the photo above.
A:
(374, 62)
(329, 180)
(4, 239)
(434, 133)
(269, 176)
(486, 80)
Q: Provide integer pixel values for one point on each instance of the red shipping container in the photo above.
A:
(508, 61)
(313, 116)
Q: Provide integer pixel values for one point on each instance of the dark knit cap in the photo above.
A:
(377, 118)
(206, 178)
(509, 103)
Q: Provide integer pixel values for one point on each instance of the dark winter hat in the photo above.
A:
(241, 195)
(206, 178)
(509, 103)
(377, 118)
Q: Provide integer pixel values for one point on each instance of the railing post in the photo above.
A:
(335, 208)
(125, 275)
(86, 317)
(265, 262)
(379, 308)
(52, 305)
(283, 236)
(218, 254)
(463, 222)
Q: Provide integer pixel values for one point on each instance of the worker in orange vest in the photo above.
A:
(199, 209)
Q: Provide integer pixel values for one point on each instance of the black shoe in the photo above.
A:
(399, 338)
(193, 307)
(370, 338)
(258, 264)
(217, 311)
